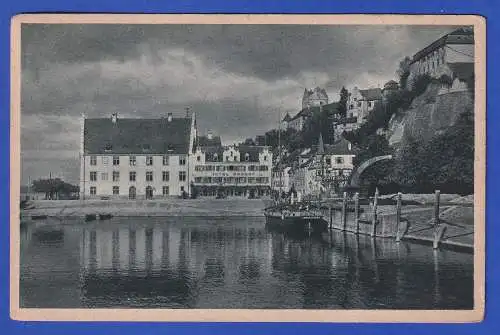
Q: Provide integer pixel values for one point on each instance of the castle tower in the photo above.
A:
(314, 97)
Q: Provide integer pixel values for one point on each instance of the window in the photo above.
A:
(93, 160)
(198, 158)
(93, 190)
(182, 160)
(182, 188)
(165, 190)
(104, 176)
(132, 175)
(104, 160)
(351, 106)
(339, 160)
(328, 161)
(149, 176)
(247, 157)
(359, 103)
(165, 159)
(116, 175)
(93, 176)
(149, 160)
(265, 158)
(182, 175)
(116, 160)
(132, 160)
(369, 103)
(263, 168)
(165, 176)
(116, 190)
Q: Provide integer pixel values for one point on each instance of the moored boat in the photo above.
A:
(295, 217)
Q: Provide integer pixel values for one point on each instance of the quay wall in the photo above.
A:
(129, 208)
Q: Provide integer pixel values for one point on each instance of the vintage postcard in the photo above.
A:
(324, 168)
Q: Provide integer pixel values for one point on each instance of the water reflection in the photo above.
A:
(234, 263)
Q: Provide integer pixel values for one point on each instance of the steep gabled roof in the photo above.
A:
(137, 136)
(341, 147)
(213, 154)
(253, 152)
(463, 35)
(204, 141)
(371, 94)
(333, 108)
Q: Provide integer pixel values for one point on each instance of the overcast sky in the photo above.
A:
(237, 78)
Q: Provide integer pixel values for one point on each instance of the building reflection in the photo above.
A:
(226, 263)
(169, 261)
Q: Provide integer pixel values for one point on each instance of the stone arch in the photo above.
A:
(356, 174)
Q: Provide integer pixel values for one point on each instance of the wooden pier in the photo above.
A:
(440, 224)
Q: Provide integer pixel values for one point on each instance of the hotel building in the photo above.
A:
(236, 170)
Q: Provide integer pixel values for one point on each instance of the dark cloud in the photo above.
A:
(266, 51)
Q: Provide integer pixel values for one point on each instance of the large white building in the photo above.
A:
(452, 55)
(136, 158)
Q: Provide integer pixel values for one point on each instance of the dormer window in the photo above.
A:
(146, 147)
(216, 157)
(108, 147)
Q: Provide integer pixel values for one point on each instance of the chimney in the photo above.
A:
(169, 117)
(210, 136)
(114, 117)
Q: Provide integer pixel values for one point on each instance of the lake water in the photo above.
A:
(232, 263)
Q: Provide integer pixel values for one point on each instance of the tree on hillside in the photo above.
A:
(410, 169)
(403, 71)
(445, 162)
(344, 96)
(451, 157)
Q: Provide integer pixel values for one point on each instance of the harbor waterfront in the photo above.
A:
(232, 262)
(331, 180)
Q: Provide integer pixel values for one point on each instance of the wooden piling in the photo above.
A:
(344, 211)
(436, 207)
(374, 217)
(398, 212)
(438, 235)
(356, 211)
(331, 216)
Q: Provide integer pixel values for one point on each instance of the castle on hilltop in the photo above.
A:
(314, 97)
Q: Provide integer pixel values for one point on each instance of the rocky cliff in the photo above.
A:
(429, 114)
